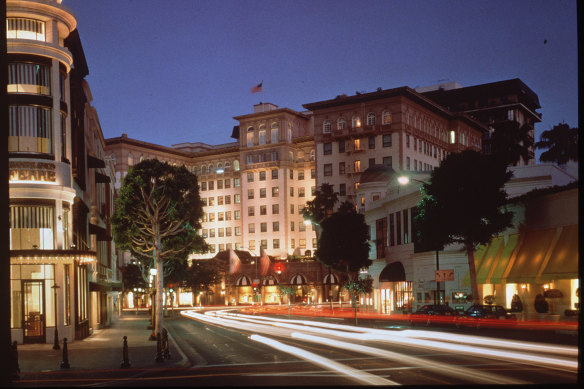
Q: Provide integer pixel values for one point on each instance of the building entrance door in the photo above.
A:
(34, 311)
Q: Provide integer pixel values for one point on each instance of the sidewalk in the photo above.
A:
(102, 350)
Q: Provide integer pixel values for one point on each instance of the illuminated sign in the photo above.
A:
(32, 171)
(444, 275)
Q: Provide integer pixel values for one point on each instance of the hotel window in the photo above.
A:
(302, 243)
(228, 215)
(250, 136)
(391, 230)
(212, 216)
(29, 78)
(276, 243)
(407, 163)
(452, 137)
(381, 237)
(341, 168)
(314, 243)
(274, 174)
(291, 191)
(236, 165)
(291, 174)
(263, 210)
(220, 216)
(249, 177)
(289, 133)
(274, 155)
(227, 183)
(386, 117)
(221, 246)
(203, 169)
(32, 227)
(301, 192)
(275, 226)
(326, 127)
(292, 243)
(219, 200)
(251, 228)
(313, 190)
(371, 142)
(327, 148)
(328, 169)
(250, 159)
(342, 189)
(237, 215)
(211, 185)
(262, 135)
(398, 226)
(415, 144)
(205, 217)
(312, 154)
(211, 201)
(407, 141)
(263, 227)
(415, 165)
(204, 185)
(211, 233)
(313, 173)
(301, 174)
(356, 122)
(341, 146)
(291, 226)
(219, 184)
(371, 162)
(292, 209)
(264, 244)
(24, 28)
(30, 129)
(341, 124)
(357, 166)
(236, 182)
(370, 119)
(262, 193)
(263, 175)
(275, 209)
(228, 199)
(275, 191)
(274, 138)
(252, 244)
(237, 198)
(205, 233)
(237, 231)
(406, 228)
(211, 169)
(250, 211)
(387, 140)
(300, 209)
(221, 232)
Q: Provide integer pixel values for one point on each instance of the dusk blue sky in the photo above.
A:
(178, 71)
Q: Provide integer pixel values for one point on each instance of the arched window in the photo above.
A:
(274, 133)
(196, 170)
(210, 168)
(250, 136)
(236, 165)
(203, 169)
(141, 158)
(262, 134)
(312, 155)
(356, 122)
(130, 159)
(371, 119)
(227, 165)
(386, 117)
(300, 156)
(341, 124)
(289, 134)
(219, 166)
(326, 127)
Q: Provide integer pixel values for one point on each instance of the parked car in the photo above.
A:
(436, 313)
(484, 315)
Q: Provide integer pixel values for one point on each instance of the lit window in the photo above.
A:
(275, 191)
(370, 119)
(29, 78)
(452, 137)
(356, 122)
(341, 124)
(357, 166)
(24, 28)
(386, 117)
(274, 133)
(250, 136)
(30, 130)
(262, 135)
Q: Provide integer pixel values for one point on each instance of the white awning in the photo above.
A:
(243, 281)
(298, 279)
(330, 279)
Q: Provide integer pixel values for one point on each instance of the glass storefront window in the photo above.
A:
(31, 78)
(25, 28)
(30, 129)
(32, 227)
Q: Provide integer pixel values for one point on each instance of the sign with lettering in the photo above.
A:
(444, 275)
(32, 171)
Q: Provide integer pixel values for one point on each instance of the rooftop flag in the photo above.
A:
(257, 88)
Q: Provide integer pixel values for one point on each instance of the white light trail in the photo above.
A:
(328, 364)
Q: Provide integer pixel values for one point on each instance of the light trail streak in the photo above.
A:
(328, 364)
(441, 368)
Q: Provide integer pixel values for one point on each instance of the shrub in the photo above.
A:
(540, 304)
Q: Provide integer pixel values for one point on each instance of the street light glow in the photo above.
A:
(403, 180)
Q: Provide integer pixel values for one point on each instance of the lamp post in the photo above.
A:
(404, 180)
(56, 343)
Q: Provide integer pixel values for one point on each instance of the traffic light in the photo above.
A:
(171, 289)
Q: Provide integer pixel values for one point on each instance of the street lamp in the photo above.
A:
(404, 180)
(56, 344)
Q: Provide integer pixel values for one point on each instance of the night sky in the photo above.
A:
(177, 71)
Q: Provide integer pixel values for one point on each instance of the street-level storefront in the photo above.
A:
(396, 295)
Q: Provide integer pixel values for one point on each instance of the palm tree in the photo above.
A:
(561, 143)
(512, 142)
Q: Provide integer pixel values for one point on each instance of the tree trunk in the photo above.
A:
(473, 276)
(159, 286)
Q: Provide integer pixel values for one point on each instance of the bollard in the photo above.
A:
(125, 359)
(165, 347)
(14, 368)
(65, 361)
(159, 357)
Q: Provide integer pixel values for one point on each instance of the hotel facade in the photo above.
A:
(62, 261)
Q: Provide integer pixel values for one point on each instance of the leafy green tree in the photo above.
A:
(511, 142)
(158, 212)
(343, 244)
(464, 202)
(284, 290)
(358, 287)
(561, 143)
(321, 207)
(202, 275)
(132, 277)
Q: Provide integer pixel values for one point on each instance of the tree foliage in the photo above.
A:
(158, 212)
(511, 142)
(321, 206)
(132, 277)
(561, 143)
(202, 275)
(464, 202)
(343, 244)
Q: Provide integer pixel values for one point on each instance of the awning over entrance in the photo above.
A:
(99, 287)
(478, 258)
(394, 272)
(243, 281)
(530, 256)
(94, 162)
(330, 279)
(269, 280)
(101, 178)
(298, 279)
(563, 263)
(51, 256)
(489, 259)
(503, 261)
